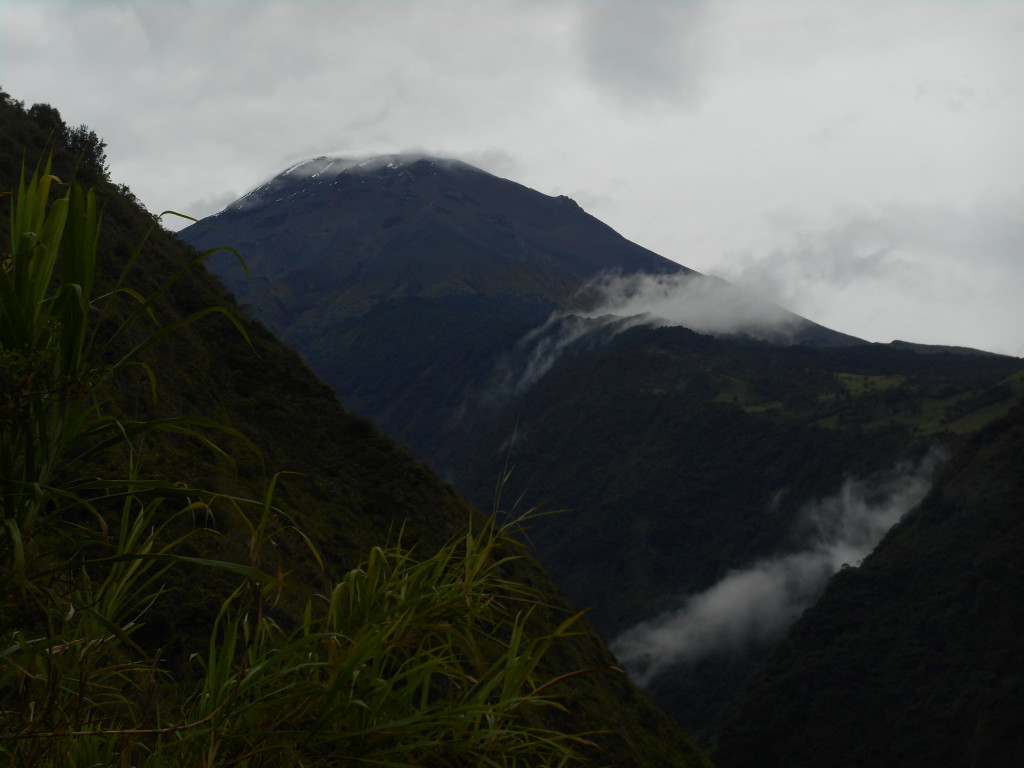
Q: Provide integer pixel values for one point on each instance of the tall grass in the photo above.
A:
(54, 364)
(404, 661)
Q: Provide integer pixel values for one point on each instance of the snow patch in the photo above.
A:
(330, 167)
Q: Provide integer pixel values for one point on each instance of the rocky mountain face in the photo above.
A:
(703, 445)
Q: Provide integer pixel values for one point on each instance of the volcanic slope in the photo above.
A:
(347, 486)
(402, 279)
(681, 456)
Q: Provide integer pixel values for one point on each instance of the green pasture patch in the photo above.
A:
(768, 405)
(975, 420)
(857, 384)
(736, 392)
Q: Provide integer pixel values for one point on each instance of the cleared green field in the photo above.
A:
(857, 384)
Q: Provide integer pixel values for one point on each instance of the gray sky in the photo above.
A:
(859, 162)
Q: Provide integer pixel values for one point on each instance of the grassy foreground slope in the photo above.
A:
(355, 489)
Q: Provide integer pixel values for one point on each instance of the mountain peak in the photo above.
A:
(315, 172)
(351, 233)
(364, 230)
(333, 165)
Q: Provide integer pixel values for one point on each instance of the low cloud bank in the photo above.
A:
(754, 606)
(936, 274)
(701, 303)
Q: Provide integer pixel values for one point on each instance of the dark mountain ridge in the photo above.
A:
(363, 266)
(373, 221)
(409, 225)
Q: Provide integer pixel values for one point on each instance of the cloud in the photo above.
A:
(645, 51)
(617, 303)
(958, 96)
(698, 302)
(933, 274)
(536, 353)
(201, 208)
(755, 605)
(224, 94)
(685, 124)
(858, 250)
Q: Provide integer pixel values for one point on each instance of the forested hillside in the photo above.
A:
(914, 658)
(346, 491)
(682, 459)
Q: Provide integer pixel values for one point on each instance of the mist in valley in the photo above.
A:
(753, 606)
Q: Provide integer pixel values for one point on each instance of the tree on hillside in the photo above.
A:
(83, 142)
(50, 120)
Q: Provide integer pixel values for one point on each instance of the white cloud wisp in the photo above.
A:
(755, 605)
(703, 304)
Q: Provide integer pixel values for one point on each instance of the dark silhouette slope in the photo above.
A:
(680, 458)
(346, 235)
(354, 487)
(914, 658)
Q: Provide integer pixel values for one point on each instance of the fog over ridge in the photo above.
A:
(755, 605)
(702, 303)
(617, 302)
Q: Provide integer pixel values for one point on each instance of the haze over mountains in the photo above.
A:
(719, 457)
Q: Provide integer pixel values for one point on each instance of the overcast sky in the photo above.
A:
(858, 162)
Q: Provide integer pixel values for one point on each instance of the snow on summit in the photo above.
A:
(327, 167)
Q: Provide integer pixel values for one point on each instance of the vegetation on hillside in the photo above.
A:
(207, 569)
(682, 456)
(914, 658)
(402, 660)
